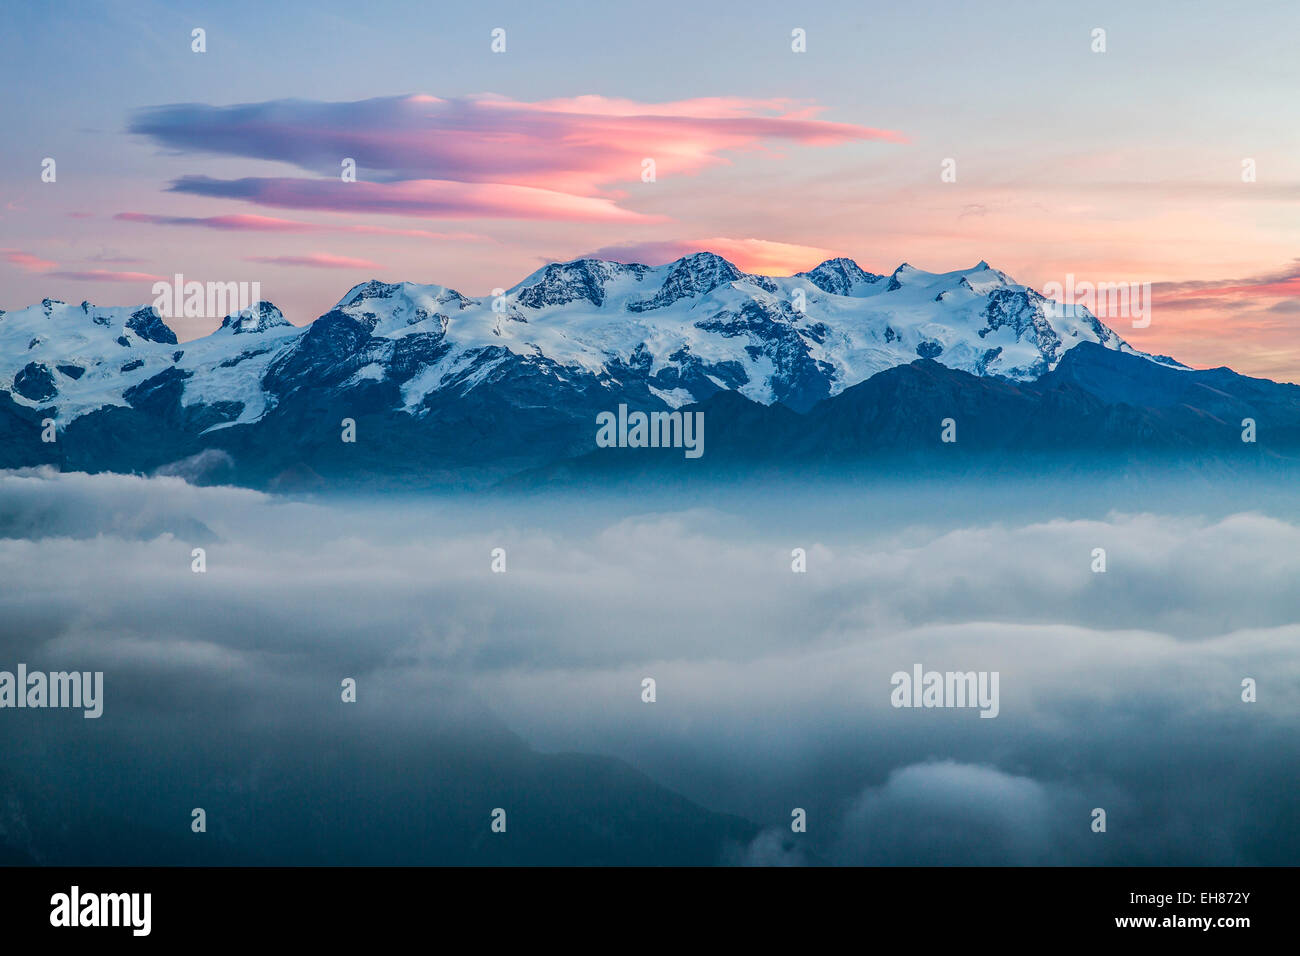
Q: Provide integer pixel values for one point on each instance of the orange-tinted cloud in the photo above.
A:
(1282, 283)
(759, 256)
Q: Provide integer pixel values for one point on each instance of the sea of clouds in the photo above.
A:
(1119, 690)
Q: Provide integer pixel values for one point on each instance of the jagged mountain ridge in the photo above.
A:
(445, 389)
(669, 334)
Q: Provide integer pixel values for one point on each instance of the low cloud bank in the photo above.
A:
(1120, 690)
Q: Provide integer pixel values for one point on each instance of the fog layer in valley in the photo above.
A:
(523, 690)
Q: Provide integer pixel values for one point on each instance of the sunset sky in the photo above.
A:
(474, 167)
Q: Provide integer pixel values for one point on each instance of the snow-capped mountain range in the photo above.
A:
(663, 335)
(833, 369)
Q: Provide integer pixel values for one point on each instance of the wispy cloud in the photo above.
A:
(316, 260)
(442, 199)
(105, 275)
(253, 223)
(486, 155)
(115, 260)
(1197, 294)
(26, 260)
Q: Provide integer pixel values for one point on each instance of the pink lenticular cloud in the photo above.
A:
(427, 198)
(317, 260)
(26, 261)
(483, 156)
(547, 144)
(250, 223)
(759, 256)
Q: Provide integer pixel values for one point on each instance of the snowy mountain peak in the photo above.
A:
(149, 325)
(395, 307)
(706, 264)
(690, 276)
(373, 289)
(841, 276)
(898, 275)
(258, 317)
(561, 283)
